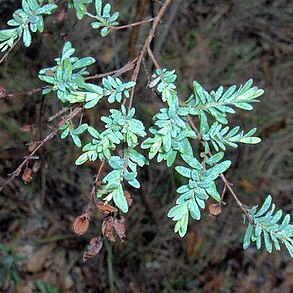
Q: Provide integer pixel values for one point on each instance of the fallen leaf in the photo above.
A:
(107, 228)
(128, 198)
(215, 209)
(93, 249)
(81, 225)
(106, 208)
(37, 260)
(27, 175)
(120, 227)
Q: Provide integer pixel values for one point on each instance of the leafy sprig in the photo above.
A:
(269, 228)
(200, 187)
(173, 134)
(123, 169)
(221, 136)
(67, 78)
(218, 103)
(120, 126)
(26, 20)
(104, 19)
(68, 129)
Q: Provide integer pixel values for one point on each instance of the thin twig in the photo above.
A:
(127, 67)
(4, 57)
(27, 92)
(145, 47)
(150, 52)
(115, 28)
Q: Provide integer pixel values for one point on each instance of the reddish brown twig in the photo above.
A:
(27, 92)
(145, 47)
(127, 67)
(115, 28)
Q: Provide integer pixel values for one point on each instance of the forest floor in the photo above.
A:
(214, 42)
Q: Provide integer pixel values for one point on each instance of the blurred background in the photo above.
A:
(217, 43)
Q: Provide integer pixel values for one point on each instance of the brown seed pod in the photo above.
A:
(106, 208)
(120, 227)
(93, 249)
(107, 228)
(215, 209)
(27, 175)
(81, 225)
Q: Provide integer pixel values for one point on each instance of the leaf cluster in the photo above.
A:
(104, 20)
(173, 134)
(221, 136)
(123, 169)
(121, 126)
(269, 228)
(201, 185)
(220, 102)
(26, 20)
(171, 131)
(80, 7)
(67, 78)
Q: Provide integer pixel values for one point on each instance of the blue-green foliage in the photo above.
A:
(172, 135)
(218, 103)
(221, 136)
(269, 228)
(68, 129)
(201, 185)
(113, 88)
(104, 20)
(123, 169)
(68, 80)
(68, 77)
(79, 6)
(26, 20)
(171, 131)
(120, 127)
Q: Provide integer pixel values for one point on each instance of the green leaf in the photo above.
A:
(76, 140)
(186, 172)
(250, 140)
(265, 207)
(247, 237)
(27, 38)
(98, 6)
(120, 200)
(81, 159)
(214, 172)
